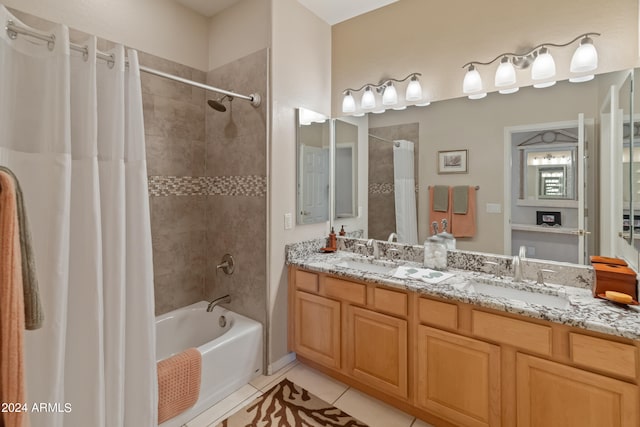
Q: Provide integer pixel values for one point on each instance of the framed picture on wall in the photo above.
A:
(453, 161)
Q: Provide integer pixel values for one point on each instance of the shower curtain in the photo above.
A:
(405, 192)
(71, 129)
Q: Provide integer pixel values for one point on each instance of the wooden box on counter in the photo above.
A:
(615, 277)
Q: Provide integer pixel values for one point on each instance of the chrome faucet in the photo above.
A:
(222, 300)
(392, 237)
(517, 269)
(376, 249)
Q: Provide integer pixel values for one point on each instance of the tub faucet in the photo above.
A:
(225, 299)
(392, 237)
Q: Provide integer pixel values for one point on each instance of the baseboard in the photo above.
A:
(280, 363)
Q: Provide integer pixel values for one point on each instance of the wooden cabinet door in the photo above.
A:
(553, 395)
(377, 350)
(317, 329)
(458, 378)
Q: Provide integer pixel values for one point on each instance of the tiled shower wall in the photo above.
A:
(381, 194)
(174, 122)
(207, 185)
(237, 215)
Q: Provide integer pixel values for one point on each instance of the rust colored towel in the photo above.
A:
(438, 216)
(12, 388)
(464, 225)
(178, 383)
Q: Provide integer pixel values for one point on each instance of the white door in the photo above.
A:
(314, 185)
(567, 242)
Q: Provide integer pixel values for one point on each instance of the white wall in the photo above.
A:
(300, 77)
(160, 27)
(238, 31)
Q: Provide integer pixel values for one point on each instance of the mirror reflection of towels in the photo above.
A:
(441, 198)
(460, 199)
(464, 225)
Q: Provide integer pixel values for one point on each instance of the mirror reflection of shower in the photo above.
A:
(217, 104)
(392, 182)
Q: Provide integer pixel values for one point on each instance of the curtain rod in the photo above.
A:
(396, 143)
(13, 30)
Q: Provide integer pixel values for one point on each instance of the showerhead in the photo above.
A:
(218, 105)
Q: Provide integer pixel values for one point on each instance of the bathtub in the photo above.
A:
(231, 354)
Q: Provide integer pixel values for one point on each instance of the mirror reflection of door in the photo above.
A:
(315, 184)
(548, 171)
(346, 169)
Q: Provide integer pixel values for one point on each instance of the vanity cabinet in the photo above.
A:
(377, 350)
(317, 331)
(550, 394)
(458, 377)
(457, 364)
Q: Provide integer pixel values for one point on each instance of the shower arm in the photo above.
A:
(14, 30)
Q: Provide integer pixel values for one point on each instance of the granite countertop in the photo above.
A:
(583, 311)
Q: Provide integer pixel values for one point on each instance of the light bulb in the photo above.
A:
(368, 100)
(414, 90)
(505, 75)
(348, 103)
(543, 68)
(581, 79)
(472, 81)
(585, 58)
(390, 95)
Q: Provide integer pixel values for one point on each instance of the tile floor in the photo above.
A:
(367, 409)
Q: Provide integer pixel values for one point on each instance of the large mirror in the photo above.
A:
(313, 145)
(483, 129)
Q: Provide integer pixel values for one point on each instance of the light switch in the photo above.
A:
(288, 221)
(494, 208)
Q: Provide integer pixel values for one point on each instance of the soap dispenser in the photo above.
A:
(342, 232)
(333, 242)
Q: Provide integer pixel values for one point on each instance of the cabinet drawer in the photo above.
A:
(306, 281)
(345, 290)
(518, 333)
(604, 355)
(392, 302)
(438, 313)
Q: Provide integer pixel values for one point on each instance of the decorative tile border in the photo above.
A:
(383, 188)
(239, 185)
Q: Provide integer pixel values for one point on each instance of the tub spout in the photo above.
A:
(225, 299)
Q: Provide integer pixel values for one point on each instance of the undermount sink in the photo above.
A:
(366, 267)
(531, 297)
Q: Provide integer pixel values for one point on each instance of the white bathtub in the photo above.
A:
(231, 355)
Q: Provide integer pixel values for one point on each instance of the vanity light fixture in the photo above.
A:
(390, 97)
(543, 70)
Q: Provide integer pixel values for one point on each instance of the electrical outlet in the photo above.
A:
(494, 208)
(288, 221)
